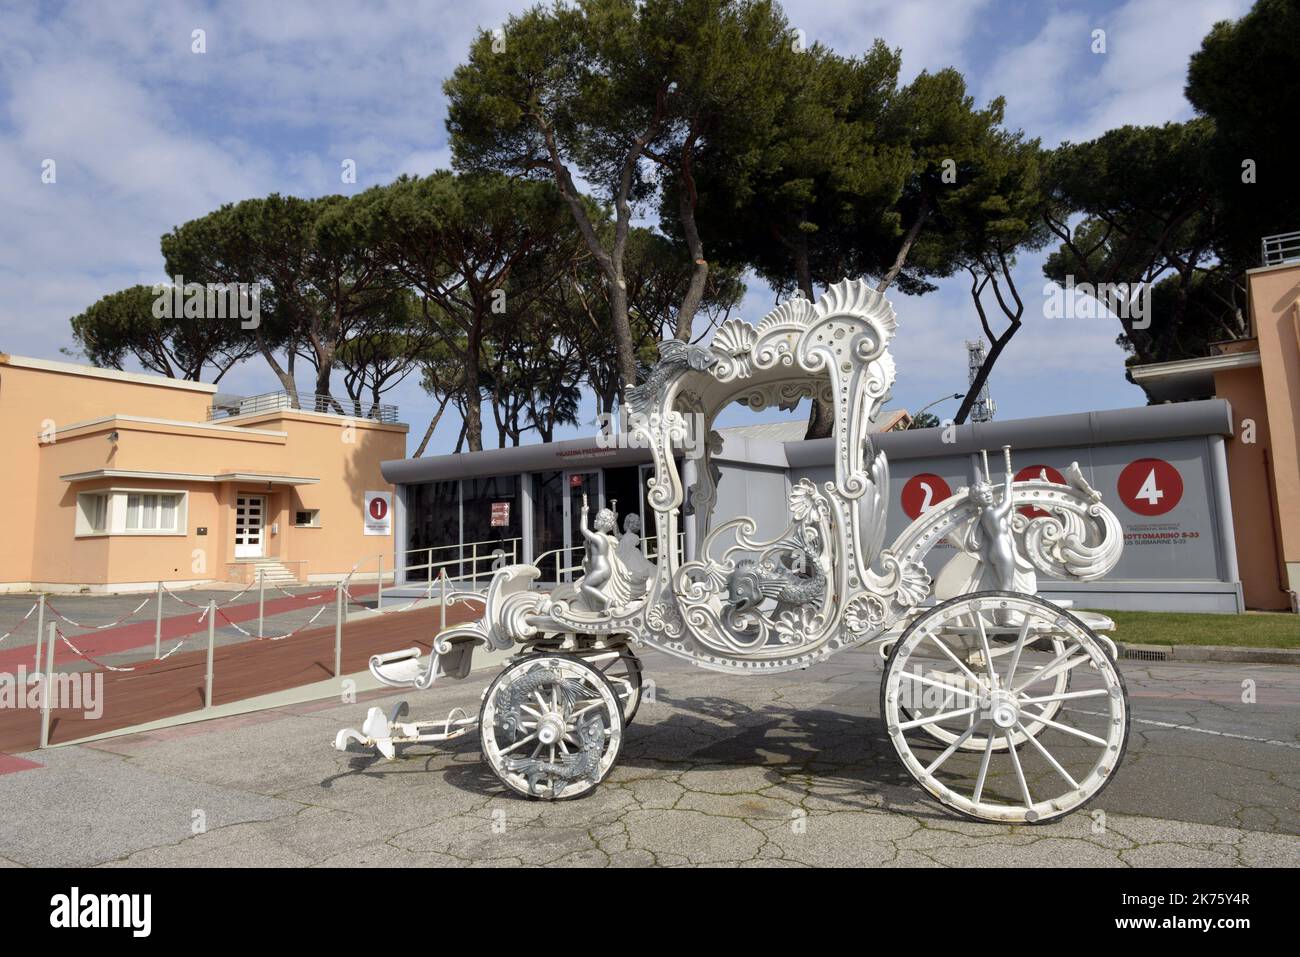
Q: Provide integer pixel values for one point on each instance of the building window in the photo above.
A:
(92, 514)
(307, 518)
(131, 512)
(148, 512)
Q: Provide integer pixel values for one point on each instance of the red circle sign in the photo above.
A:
(922, 493)
(378, 509)
(1037, 473)
(1150, 486)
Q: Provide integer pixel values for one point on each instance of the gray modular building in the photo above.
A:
(1162, 469)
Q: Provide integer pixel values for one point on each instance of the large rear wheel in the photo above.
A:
(937, 696)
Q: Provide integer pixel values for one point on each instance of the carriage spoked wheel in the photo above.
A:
(620, 665)
(947, 673)
(551, 726)
(623, 669)
(1066, 744)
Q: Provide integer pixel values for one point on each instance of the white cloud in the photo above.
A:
(932, 33)
(1035, 77)
(1142, 74)
(148, 134)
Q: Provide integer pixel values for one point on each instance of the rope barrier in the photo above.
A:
(101, 664)
(453, 599)
(183, 601)
(288, 594)
(248, 634)
(112, 624)
(20, 622)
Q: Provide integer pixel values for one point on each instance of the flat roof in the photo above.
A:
(1152, 422)
(155, 476)
(95, 372)
(1189, 378)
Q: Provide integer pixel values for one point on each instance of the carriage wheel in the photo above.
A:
(946, 672)
(1055, 769)
(623, 669)
(551, 726)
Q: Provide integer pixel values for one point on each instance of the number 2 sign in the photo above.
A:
(922, 493)
(1150, 486)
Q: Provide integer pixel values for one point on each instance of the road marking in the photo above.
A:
(9, 764)
(1185, 727)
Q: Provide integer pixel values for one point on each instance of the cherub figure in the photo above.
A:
(995, 542)
(629, 549)
(598, 566)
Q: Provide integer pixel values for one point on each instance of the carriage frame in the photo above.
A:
(981, 675)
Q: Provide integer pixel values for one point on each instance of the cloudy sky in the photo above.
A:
(146, 134)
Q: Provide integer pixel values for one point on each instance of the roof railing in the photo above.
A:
(228, 406)
(1282, 248)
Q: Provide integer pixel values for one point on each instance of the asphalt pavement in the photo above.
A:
(774, 770)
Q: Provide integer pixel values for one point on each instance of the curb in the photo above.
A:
(1257, 656)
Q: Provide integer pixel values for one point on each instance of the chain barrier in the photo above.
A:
(288, 594)
(112, 624)
(287, 634)
(95, 661)
(191, 604)
(21, 621)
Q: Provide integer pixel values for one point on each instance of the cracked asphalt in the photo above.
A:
(781, 770)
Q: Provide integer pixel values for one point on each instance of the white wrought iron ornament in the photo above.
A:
(552, 728)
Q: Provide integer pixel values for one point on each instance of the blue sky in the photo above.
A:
(147, 134)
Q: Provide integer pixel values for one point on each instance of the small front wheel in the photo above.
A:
(623, 669)
(551, 726)
(1067, 743)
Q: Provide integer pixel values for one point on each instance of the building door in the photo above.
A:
(578, 484)
(250, 513)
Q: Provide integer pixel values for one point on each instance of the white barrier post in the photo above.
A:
(212, 640)
(379, 592)
(473, 564)
(338, 630)
(40, 629)
(261, 603)
(157, 626)
(48, 685)
(443, 612)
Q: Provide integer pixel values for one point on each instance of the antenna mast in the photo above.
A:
(984, 407)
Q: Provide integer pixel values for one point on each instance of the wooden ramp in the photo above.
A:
(244, 670)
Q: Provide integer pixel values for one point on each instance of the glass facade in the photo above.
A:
(481, 499)
(432, 527)
(548, 521)
(445, 518)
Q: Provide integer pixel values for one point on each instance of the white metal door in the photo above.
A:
(250, 511)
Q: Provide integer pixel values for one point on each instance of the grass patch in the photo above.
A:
(1251, 630)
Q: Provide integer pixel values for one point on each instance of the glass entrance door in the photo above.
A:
(577, 484)
(249, 513)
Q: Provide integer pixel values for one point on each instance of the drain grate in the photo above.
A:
(1145, 654)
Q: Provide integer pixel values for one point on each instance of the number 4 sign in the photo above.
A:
(1150, 486)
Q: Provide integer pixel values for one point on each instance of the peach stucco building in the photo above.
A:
(1260, 378)
(115, 481)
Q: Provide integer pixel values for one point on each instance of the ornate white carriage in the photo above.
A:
(1002, 705)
